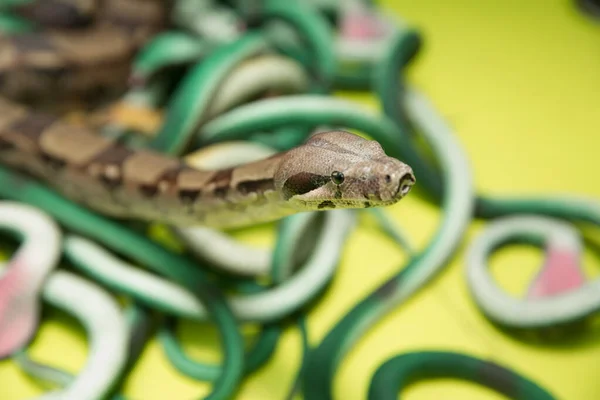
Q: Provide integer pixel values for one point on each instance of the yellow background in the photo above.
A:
(520, 83)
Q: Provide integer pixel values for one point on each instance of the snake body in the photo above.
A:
(83, 48)
(333, 169)
(58, 13)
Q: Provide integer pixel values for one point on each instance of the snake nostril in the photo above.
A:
(388, 178)
(406, 183)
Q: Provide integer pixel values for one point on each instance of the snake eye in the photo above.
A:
(337, 177)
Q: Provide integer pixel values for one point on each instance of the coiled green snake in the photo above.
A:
(331, 170)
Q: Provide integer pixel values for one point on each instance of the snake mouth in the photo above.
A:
(404, 185)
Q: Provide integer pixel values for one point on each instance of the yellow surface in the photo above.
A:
(520, 83)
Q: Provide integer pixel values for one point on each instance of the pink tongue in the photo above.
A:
(561, 273)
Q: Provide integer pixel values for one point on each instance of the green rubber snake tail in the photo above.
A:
(400, 371)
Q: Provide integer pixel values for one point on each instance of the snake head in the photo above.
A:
(338, 169)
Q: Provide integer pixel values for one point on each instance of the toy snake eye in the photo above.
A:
(337, 177)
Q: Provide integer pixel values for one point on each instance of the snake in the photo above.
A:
(78, 49)
(331, 170)
(564, 248)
